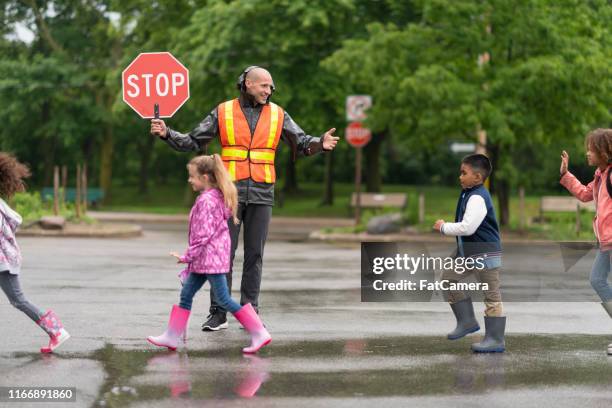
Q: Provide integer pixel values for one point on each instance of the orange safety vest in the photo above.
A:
(247, 155)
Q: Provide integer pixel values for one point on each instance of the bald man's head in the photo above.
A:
(259, 84)
(258, 73)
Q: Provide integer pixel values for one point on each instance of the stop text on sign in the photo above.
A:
(155, 78)
(357, 135)
(162, 84)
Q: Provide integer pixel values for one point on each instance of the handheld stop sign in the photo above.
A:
(155, 85)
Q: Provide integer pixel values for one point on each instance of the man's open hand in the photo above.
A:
(328, 140)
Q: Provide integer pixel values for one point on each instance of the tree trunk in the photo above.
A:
(145, 164)
(106, 162)
(328, 193)
(372, 163)
(49, 145)
(503, 195)
(499, 187)
(291, 184)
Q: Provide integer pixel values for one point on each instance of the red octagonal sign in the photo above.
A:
(357, 135)
(155, 77)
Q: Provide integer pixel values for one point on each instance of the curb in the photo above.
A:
(86, 231)
(423, 238)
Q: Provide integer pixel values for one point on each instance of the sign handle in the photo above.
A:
(156, 110)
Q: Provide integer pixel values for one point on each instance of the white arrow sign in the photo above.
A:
(356, 106)
(463, 147)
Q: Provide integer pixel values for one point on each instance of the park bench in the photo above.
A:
(378, 200)
(94, 195)
(564, 204)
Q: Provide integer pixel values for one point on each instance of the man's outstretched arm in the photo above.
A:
(303, 144)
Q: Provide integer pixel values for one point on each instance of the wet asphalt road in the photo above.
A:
(329, 348)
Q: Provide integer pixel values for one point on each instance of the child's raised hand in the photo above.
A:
(564, 162)
(438, 225)
(177, 256)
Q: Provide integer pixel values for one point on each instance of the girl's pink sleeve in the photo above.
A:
(578, 190)
(202, 228)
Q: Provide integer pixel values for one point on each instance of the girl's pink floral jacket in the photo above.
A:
(595, 190)
(209, 238)
(10, 254)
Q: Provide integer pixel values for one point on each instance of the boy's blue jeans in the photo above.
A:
(599, 275)
(218, 282)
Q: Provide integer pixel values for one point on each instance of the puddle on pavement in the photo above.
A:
(405, 366)
(381, 367)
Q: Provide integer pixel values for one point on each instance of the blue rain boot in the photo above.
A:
(466, 321)
(493, 341)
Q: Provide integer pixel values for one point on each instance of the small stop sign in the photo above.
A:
(155, 78)
(357, 135)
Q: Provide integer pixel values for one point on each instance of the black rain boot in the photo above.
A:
(466, 321)
(493, 341)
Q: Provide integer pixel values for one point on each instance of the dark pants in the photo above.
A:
(255, 218)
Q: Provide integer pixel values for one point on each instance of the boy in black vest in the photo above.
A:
(478, 241)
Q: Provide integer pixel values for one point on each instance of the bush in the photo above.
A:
(29, 206)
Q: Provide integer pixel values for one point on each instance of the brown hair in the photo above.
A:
(219, 177)
(12, 174)
(600, 142)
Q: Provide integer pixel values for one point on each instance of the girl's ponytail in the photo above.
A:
(226, 185)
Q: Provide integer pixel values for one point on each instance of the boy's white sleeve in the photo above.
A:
(475, 213)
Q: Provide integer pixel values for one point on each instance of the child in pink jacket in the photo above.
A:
(599, 153)
(208, 255)
(12, 174)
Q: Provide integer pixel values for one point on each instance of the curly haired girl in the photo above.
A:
(599, 154)
(12, 174)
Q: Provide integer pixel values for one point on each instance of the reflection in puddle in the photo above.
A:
(410, 366)
(252, 376)
(174, 370)
(487, 367)
(176, 366)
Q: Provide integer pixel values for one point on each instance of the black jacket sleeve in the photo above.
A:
(198, 138)
(300, 143)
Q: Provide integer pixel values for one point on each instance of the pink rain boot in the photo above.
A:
(51, 324)
(176, 327)
(251, 322)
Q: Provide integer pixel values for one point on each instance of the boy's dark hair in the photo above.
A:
(479, 163)
(12, 174)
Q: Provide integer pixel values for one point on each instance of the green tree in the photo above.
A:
(545, 78)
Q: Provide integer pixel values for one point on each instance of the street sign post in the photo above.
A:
(357, 136)
(155, 78)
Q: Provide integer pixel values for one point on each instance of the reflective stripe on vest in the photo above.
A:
(262, 157)
(234, 153)
(246, 155)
